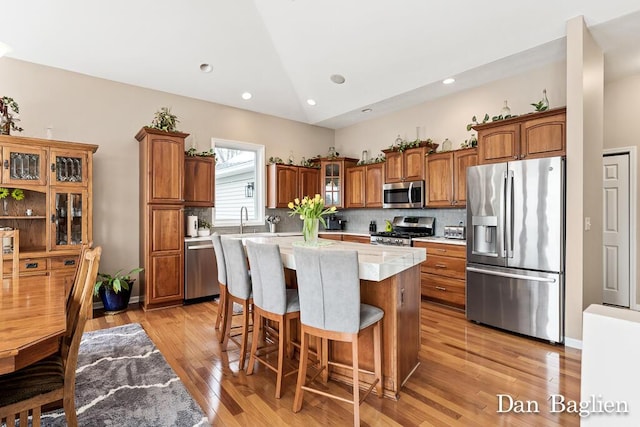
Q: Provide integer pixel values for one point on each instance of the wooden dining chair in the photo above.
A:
(272, 301)
(330, 309)
(238, 291)
(54, 378)
(15, 256)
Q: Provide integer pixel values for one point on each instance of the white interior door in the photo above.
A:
(616, 230)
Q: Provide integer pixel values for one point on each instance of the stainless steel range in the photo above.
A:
(404, 228)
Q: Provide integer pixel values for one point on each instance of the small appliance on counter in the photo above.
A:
(455, 232)
(192, 226)
(335, 223)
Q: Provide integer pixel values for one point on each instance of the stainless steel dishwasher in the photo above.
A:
(200, 271)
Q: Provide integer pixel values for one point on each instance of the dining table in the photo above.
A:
(32, 320)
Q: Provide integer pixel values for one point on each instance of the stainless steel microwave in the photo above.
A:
(403, 195)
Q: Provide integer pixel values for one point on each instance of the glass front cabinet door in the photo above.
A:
(21, 165)
(69, 167)
(68, 218)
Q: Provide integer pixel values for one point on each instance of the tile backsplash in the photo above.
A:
(357, 219)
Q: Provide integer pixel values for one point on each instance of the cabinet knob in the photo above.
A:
(6, 164)
(523, 156)
(515, 157)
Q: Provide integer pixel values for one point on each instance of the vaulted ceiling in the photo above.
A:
(392, 54)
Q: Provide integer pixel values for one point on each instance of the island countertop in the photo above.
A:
(376, 262)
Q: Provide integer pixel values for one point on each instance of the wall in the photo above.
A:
(87, 109)
(447, 117)
(585, 87)
(621, 106)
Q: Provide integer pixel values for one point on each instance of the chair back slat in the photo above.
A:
(328, 288)
(217, 249)
(235, 259)
(74, 288)
(267, 277)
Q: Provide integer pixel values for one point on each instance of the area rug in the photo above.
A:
(122, 379)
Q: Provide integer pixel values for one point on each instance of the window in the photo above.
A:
(239, 182)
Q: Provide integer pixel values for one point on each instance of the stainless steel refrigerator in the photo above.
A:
(515, 246)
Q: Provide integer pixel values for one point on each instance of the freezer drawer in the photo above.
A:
(522, 301)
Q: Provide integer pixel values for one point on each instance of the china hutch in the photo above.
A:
(46, 193)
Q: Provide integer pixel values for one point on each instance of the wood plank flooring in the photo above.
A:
(463, 367)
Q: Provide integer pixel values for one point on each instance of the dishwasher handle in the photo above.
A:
(197, 247)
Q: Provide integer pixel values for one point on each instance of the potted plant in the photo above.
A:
(165, 120)
(115, 290)
(204, 227)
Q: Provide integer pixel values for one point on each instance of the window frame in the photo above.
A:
(259, 184)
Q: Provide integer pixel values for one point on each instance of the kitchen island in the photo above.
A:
(389, 279)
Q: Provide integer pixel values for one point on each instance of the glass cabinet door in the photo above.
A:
(332, 196)
(23, 165)
(69, 167)
(68, 219)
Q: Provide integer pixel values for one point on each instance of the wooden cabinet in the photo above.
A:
(161, 217)
(332, 179)
(356, 239)
(447, 177)
(524, 137)
(199, 181)
(407, 165)
(442, 275)
(364, 186)
(287, 182)
(162, 157)
(54, 213)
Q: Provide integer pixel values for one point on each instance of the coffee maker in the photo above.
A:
(335, 223)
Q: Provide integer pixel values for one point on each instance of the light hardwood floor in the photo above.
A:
(463, 368)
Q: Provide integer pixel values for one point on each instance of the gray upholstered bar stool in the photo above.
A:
(330, 308)
(273, 301)
(222, 282)
(238, 291)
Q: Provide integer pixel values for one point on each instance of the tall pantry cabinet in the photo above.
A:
(161, 217)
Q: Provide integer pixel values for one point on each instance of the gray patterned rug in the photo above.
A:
(123, 380)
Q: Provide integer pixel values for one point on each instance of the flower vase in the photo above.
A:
(310, 231)
(272, 228)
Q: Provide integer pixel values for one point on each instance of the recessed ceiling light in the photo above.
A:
(246, 96)
(205, 68)
(311, 102)
(448, 81)
(337, 79)
(367, 110)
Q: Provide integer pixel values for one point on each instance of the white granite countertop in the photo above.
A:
(376, 262)
(440, 239)
(265, 234)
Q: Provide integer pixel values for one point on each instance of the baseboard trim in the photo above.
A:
(573, 343)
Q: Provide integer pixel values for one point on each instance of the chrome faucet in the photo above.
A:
(246, 217)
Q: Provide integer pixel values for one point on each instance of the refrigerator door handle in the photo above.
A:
(511, 275)
(508, 218)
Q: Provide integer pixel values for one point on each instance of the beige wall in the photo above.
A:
(447, 117)
(621, 107)
(585, 93)
(96, 111)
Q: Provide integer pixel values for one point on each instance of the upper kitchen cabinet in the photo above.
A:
(523, 137)
(364, 186)
(162, 165)
(407, 165)
(446, 177)
(199, 181)
(332, 179)
(69, 168)
(287, 182)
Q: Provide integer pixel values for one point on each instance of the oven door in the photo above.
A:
(403, 195)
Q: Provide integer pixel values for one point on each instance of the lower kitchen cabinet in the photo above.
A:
(442, 275)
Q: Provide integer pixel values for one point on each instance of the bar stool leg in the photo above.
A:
(356, 381)
(254, 340)
(302, 371)
(282, 340)
(220, 317)
(245, 333)
(377, 356)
